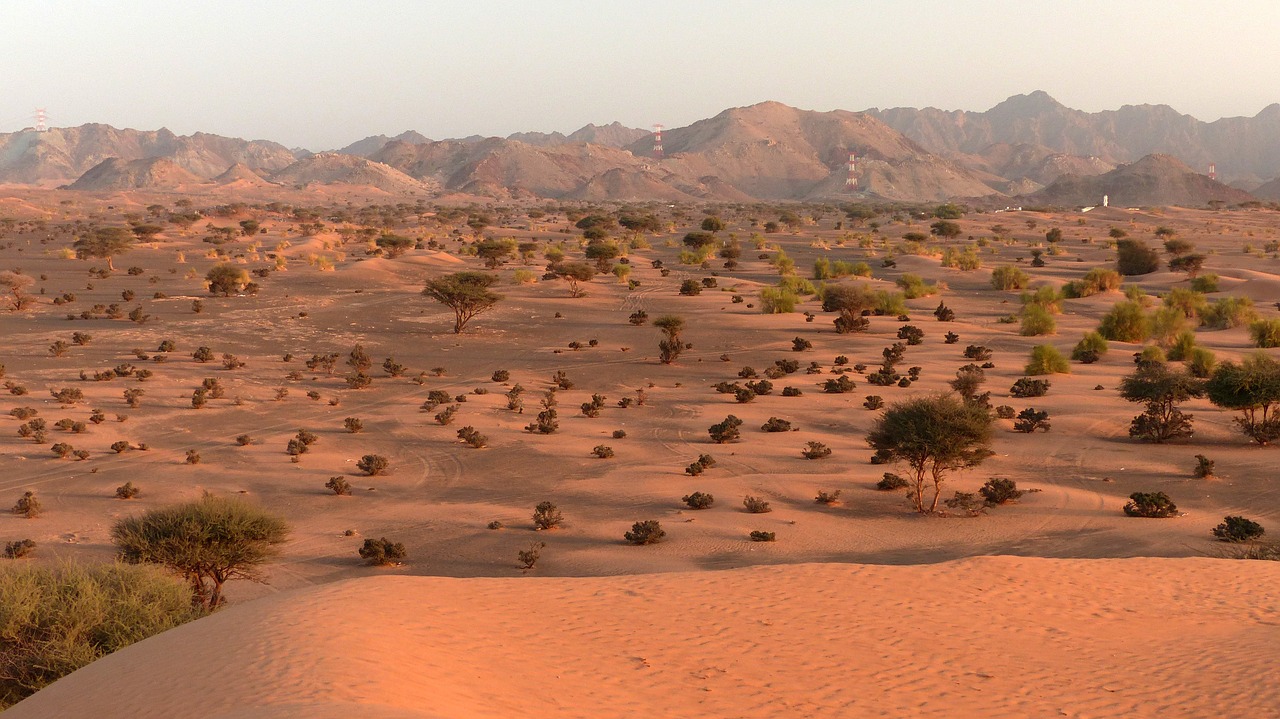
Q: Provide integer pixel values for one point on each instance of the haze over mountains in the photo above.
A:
(1029, 147)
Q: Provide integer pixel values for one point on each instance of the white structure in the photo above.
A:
(1106, 201)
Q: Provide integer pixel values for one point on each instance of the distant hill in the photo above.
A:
(1243, 148)
(331, 168)
(1152, 180)
(64, 154)
(239, 174)
(370, 145)
(155, 173)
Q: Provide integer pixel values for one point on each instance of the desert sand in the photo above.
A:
(839, 633)
(989, 637)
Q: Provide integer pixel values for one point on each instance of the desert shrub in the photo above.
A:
(62, 450)
(547, 516)
(761, 387)
(1161, 389)
(698, 500)
(913, 335)
(762, 536)
(1204, 467)
(725, 431)
(126, 491)
(1265, 333)
(756, 505)
(1008, 277)
(1026, 387)
(776, 424)
(1253, 388)
(1205, 283)
(602, 451)
(1036, 320)
(373, 464)
(1134, 257)
(17, 550)
(193, 457)
(28, 505)
(1155, 505)
(1125, 322)
(1004, 411)
(800, 344)
(828, 498)
(891, 482)
(791, 392)
(546, 422)
(528, 558)
(1000, 491)
(815, 450)
(840, 385)
(1238, 529)
(1030, 419)
(58, 619)
(500, 376)
(338, 485)
(914, 287)
(776, 300)
(647, 532)
(1090, 347)
(1229, 312)
(1095, 281)
(382, 552)
(873, 402)
(1046, 359)
(690, 287)
(977, 352)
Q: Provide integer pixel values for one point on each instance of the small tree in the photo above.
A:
(1253, 388)
(225, 279)
(106, 243)
(547, 516)
(1134, 257)
(209, 542)
(850, 301)
(466, 293)
(932, 435)
(1046, 359)
(575, 273)
(671, 345)
(1161, 388)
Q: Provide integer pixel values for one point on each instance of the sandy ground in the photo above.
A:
(983, 637)
(440, 495)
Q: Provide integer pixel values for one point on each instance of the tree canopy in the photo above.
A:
(1253, 388)
(933, 435)
(208, 541)
(466, 293)
(104, 242)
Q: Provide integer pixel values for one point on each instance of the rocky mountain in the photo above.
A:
(370, 145)
(1243, 148)
(64, 154)
(239, 175)
(153, 173)
(331, 168)
(1152, 180)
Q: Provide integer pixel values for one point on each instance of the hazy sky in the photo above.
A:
(323, 73)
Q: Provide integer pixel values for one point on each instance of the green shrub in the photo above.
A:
(1046, 359)
(1205, 283)
(58, 619)
(1009, 277)
(1000, 491)
(698, 500)
(649, 531)
(1181, 347)
(1156, 505)
(776, 300)
(756, 505)
(1026, 387)
(1036, 321)
(1265, 333)
(1090, 347)
(1238, 529)
(1201, 362)
(372, 464)
(1134, 257)
(1125, 322)
(1095, 281)
(382, 552)
(891, 482)
(1229, 312)
(913, 286)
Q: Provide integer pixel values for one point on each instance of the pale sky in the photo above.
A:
(324, 73)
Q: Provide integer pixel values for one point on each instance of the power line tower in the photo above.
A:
(851, 182)
(42, 120)
(657, 141)
(1213, 171)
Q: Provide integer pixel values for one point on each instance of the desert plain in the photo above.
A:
(1057, 604)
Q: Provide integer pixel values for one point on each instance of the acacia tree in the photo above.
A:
(1162, 388)
(1253, 388)
(603, 253)
(575, 273)
(933, 435)
(14, 284)
(208, 542)
(104, 242)
(466, 293)
(225, 278)
(671, 345)
(850, 301)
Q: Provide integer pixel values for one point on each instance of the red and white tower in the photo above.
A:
(657, 141)
(1213, 170)
(42, 120)
(852, 179)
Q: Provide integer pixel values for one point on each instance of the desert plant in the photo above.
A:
(756, 505)
(1253, 388)
(1036, 320)
(725, 431)
(828, 498)
(467, 294)
(373, 464)
(762, 536)
(933, 435)
(1000, 491)
(1204, 467)
(776, 424)
(528, 558)
(547, 516)
(382, 552)
(815, 450)
(17, 550)
(891, 482)
(1238, 529)
(1030, 419)
(354, 425)
(648, 531)
(1090, 348)
(1046, 359)
(1155, 505)
(1008, 277)
(698, 500)
(1026, 387)
(28, 505)
(338, 485)
(126, 491)
(602, 451)
(1161, 389)
(873, 402)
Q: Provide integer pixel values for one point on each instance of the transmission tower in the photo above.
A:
(852, 180)
(657, 141)
(42, 120)
(1213, 171)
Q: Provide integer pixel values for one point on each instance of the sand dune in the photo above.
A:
(981, 637)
